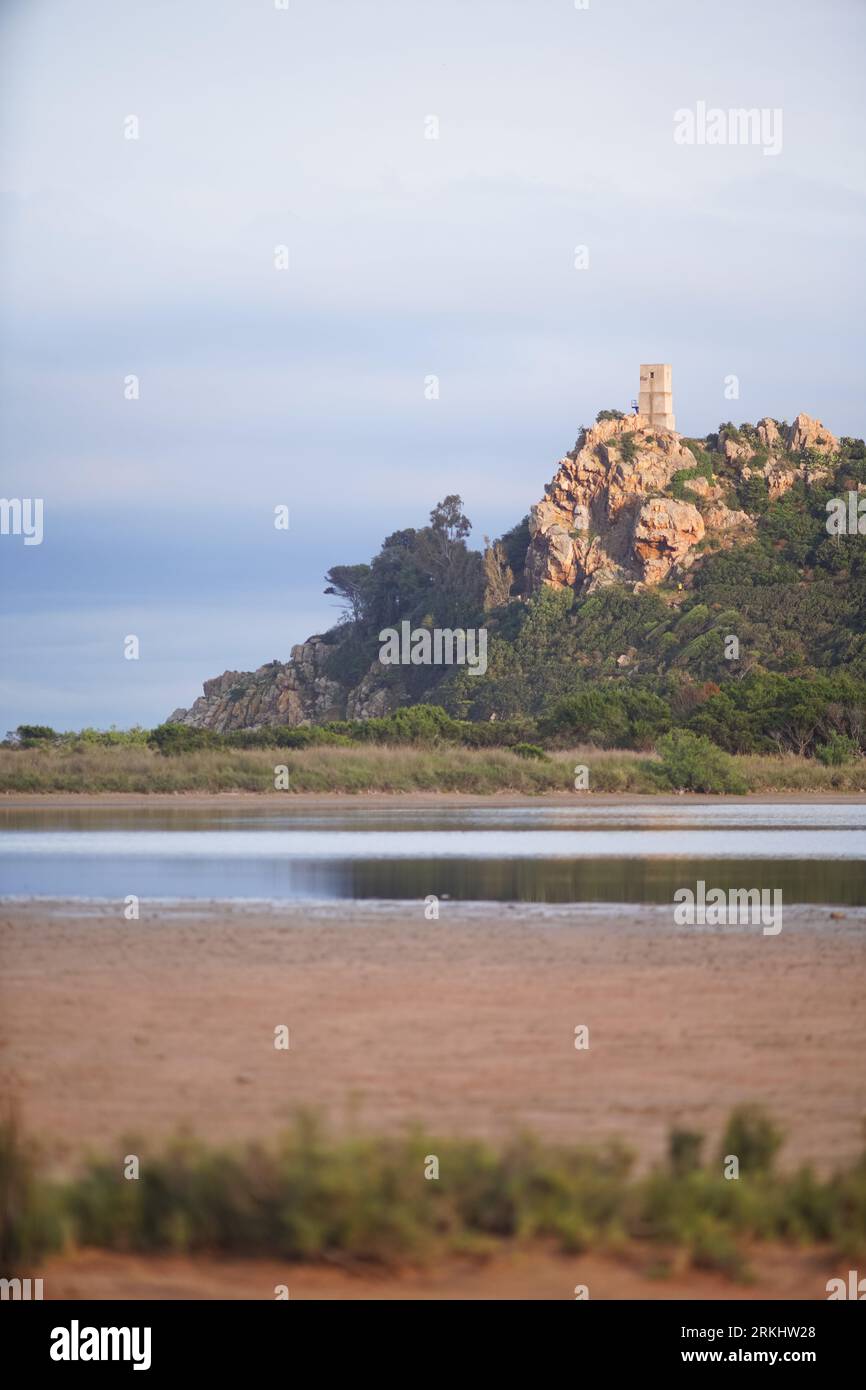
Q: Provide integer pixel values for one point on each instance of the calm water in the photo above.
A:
(585, 853)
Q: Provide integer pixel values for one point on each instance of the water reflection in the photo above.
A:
(638, 852)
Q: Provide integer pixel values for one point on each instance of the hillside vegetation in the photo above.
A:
(754, 646)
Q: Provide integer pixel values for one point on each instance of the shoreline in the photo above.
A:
(19, 801)
(356, 912)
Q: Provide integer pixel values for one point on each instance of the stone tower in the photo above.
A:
(656, 394)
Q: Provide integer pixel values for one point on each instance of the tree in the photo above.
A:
(348, 582)
(456, 573)
(449, 528)
(498, 575)
(515, 544)
(399, 586)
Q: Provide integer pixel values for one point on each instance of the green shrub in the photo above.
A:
(684, 1151)
(703, 468)
(286, 736)
(753, 1138)
(627, 447)
(428, 724)
(691, 762)
(713, 1247)
(33, 736)
(308, 1196)
(29, 1219)
(753, 494)
(838, 750)
(613, 717)
(530, 750)
(173, 739)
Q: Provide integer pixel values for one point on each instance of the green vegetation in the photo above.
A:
(445, 756)
(627, 446)
(702, 469)
(310, 1197)
(794, 597)
(30, 1221)
(42, 736)
(838, 749)
(690, 762)
(614, 670)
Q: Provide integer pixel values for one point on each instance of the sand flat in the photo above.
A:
(465, 1025)
(28, 801)
(514, 1273)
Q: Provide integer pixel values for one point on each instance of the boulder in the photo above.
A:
(806, 433)
(768, 434)
(665, 530)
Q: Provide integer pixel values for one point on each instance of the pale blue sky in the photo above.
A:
(408, 256)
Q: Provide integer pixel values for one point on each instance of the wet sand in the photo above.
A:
(465, 1025)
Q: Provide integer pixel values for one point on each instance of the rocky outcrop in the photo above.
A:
(806, 433)
(780, 479)
(294, 692)
(768, 434)
(734, 449)
(371, 697)
(594, 525)
(665, 531)
(702, 487)
(614, 512)
(608, 515)
(720, 518)
(300, 691)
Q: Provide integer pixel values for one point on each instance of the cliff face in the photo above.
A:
(298, 691)
(602, 519)
(292, 692)
(609, 515)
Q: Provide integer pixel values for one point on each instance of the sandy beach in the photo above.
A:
(138, 801)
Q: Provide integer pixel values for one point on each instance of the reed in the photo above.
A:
(386, 768)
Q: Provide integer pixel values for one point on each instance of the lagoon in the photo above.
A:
(593, 851)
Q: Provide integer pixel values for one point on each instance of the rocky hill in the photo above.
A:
(608, 516)
(632, 505)
(298, 691)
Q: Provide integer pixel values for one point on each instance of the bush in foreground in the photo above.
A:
(309, 1197)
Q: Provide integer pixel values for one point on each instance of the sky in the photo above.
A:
(299, 377)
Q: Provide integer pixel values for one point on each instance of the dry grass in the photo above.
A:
(381, 768)
(793, 774)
